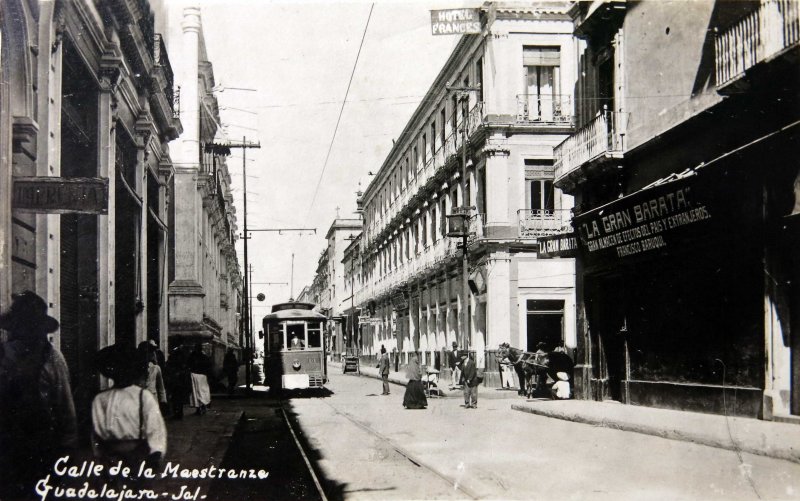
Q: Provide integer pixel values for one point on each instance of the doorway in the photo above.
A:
(545, 323)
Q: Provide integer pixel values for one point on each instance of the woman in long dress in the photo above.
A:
(414, 397)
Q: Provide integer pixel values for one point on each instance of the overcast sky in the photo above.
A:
(299, 56)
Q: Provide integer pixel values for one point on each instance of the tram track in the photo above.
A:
(409, 456)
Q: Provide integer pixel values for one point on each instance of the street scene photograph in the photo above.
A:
(335, 250)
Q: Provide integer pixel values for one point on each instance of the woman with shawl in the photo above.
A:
(414, 397)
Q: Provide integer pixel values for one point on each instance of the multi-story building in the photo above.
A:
(351, 263)
(340, 234)
(86, 112)
(205, 280)
(502, 101)
(684, 169)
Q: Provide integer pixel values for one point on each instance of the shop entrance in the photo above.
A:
(608, 331)
(78, 234)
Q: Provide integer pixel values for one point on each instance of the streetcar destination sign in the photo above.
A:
(60, 195)
(455, 21)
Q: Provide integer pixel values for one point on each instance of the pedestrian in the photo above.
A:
(178, 379)
(230, 366)
(470, 374)
(454, 360)
(155, 378)
(200, 367)
(37, 413)
(383, 370)
(160, 359)
(127, 424)
(414, 397)
(561, 389)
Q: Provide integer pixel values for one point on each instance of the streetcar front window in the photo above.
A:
(296, 336)
(314, 335)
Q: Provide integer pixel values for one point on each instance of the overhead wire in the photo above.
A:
(341, 111)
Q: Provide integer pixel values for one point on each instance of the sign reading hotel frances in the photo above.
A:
(60, 195)
(455, 21)
(673, 214)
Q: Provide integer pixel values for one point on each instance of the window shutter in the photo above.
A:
(541, 56)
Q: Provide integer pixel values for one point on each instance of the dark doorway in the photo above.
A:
(79, 254)
(545, 323)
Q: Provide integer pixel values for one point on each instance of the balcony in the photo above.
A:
(770, 30)
(535, 223)
(596, 142)
(538, 109)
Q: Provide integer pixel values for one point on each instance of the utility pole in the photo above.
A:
(225, 149)
(465, 209)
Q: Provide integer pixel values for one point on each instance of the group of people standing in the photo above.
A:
(464, 374)
(37, 413)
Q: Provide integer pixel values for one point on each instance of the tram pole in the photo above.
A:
(248, 336)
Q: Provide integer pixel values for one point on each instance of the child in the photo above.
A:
(561, 388)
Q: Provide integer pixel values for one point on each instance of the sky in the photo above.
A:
(299, 56)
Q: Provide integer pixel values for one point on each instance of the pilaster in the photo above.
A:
(499, 172)
(144, 130)
(106, 224)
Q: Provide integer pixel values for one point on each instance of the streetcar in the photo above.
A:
(294, 347)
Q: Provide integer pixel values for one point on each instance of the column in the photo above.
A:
(144, 127)
(498, 309)
(106, 225)
(499, 199)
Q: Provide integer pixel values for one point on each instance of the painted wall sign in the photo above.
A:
(455, 21)
(564, 245)
(662, 218)
(60, 195)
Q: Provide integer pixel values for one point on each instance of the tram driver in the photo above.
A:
(296, 343)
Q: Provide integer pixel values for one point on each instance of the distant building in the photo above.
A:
(517, 104)
(686, 179)
(205, 280)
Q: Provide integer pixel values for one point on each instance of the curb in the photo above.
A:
(668, 433)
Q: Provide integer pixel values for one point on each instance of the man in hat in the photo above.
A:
(455, 366)
(470, 374)
(37, 414)
(383, 370)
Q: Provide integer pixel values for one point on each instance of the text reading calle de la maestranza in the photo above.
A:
(641, 228)
(98, 481)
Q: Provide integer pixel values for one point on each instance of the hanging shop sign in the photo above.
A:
(60, 195)
(400, 301)
(455, 21)
(563, 245)
(669, 216)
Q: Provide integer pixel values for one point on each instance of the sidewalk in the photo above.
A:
(763, 438)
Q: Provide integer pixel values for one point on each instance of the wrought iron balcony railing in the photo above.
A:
(603, 135)
(161, 60)
(555, 109)
(534, 223)
(761, 34)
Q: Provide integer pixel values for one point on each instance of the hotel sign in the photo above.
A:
(60, 195)
(455, 21)
(564, 245)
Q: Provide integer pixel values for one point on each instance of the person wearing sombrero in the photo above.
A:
(126, 421)
(37, 413)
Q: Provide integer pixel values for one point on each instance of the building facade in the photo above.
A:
(86, 115)
(685, 175)
(205, 280)
(500, 104)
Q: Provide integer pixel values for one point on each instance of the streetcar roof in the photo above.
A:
(294, 311)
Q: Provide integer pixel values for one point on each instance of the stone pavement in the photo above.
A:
(754, 436)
